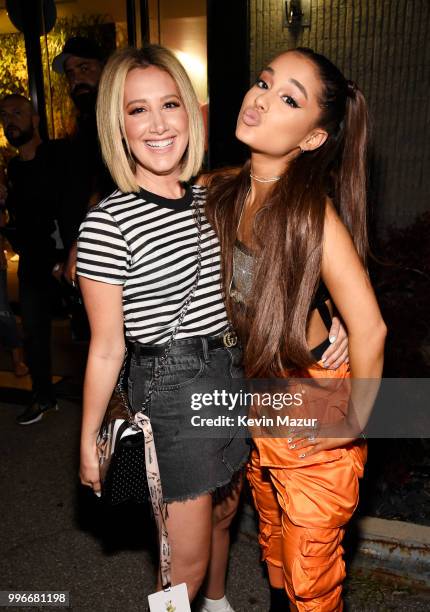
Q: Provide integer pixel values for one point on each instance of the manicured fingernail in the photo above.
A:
(332, 339)
(302, 456)
(292, 446)
(98, 493)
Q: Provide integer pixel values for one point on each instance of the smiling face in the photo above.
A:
(155, 121)
(280, 113)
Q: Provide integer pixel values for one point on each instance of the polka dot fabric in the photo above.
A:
(126, 477)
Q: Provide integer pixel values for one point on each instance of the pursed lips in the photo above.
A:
(251, 117)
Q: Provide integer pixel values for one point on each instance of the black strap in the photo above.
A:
(184, 346)
(325, 315)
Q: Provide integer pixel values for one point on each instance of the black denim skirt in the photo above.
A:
(191, 462)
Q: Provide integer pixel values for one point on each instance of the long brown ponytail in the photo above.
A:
(289, 228)
(351, 178)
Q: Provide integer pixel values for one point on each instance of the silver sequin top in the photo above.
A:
(243, 273)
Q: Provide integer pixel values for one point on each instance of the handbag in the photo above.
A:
(121, 450)
(120, 441)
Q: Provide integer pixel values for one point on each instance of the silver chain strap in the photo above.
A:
(163, 358)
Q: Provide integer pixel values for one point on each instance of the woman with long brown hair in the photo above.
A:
(292, 228)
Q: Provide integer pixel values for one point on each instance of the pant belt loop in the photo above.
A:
(205, 349)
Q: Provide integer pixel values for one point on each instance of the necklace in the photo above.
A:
(259, 179)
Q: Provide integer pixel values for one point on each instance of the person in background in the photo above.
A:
(9, 334)
(81, 62)
(35, 184)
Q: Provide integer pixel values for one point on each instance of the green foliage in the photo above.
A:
(13, 79)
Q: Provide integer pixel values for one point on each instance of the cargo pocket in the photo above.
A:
(319, 569)
(357, 455)
(269, 538)
(269, 513)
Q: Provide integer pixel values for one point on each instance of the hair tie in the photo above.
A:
(351, 88)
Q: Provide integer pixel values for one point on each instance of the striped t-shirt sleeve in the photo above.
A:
(103, 253)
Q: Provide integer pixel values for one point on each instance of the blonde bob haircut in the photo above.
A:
(110, 113)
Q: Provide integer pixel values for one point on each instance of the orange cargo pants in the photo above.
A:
(303, 507)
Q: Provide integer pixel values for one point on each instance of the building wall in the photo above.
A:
(180, 25)
(384, 45)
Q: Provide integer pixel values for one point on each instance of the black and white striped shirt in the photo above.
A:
(148, 244)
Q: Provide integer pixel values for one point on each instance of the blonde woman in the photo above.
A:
(137, 264)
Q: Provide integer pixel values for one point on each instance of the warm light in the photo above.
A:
(196, 69)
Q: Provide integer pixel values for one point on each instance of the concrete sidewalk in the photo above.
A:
(54, 535)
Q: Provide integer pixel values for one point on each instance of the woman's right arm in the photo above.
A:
(103, 303)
